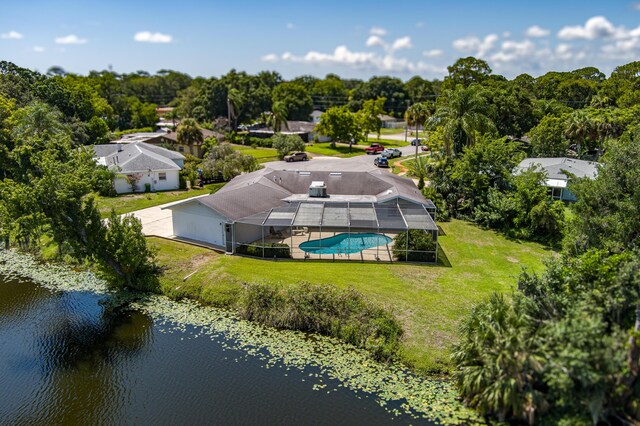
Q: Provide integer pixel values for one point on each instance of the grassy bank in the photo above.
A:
(428, 300)
(340, 150)
(127, 203)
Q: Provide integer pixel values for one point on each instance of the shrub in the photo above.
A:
(344, 314)
(420, 242)
(271, 250)
(285, 144)
(260, 142)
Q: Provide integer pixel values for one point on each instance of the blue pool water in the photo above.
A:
(344, 243)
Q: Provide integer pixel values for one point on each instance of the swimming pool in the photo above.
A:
(344, 243)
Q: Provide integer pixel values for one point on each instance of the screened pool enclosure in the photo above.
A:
(341, 229)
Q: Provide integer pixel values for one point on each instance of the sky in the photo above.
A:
(354, 39)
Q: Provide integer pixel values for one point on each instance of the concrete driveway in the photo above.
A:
(158, 222)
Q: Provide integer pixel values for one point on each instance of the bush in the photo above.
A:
(285, 144)
(129, 131)
(419, 243)
(271, 250)
(345, 314)
(260, 142)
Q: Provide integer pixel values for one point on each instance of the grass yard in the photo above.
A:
(428, 300)
(130, 202)
(263, 155)
(340, 150)
(388, 143)
(384, 131)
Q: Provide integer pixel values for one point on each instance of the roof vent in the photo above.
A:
(317, 189)
(304, 173)
(335, 174)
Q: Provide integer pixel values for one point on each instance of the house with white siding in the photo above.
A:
(141, 167)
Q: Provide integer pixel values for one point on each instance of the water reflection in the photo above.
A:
(65, 359)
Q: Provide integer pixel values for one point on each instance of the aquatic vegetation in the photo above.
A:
(328, 362)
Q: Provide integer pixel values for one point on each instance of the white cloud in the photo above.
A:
(537, 31)
(38, 49)
(374, 40)
(363, 60)
(71, 39)
(402, 43)
(11, 35)
(290, 26)
(597, 27)
(149, 37)
(511, 51)
(378, 31)
(433, 53)
(475, 45)
(271, 57)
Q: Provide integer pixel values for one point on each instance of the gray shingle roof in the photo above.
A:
(554, 167)
(265, 189)
(137, 157)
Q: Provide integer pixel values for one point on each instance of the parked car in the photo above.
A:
(425, 148)
(416, 142)
(296, 156)
(391, 153)
(381, 162)
(374, 148)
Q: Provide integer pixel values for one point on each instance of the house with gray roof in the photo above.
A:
(558, 172)
(140, 166)
(297, 208)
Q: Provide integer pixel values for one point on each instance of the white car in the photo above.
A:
(391, 153)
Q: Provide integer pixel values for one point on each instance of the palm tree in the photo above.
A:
(173, 116)
(418, 169)
(579, 128)
(278, 116)
(462, 112)
(417, 114)
(189, 133)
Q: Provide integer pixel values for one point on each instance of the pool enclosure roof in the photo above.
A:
(388, 216)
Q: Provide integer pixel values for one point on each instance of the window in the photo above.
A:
(162, 176)
(181, 148)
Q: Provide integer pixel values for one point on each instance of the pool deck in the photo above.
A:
(381, 253)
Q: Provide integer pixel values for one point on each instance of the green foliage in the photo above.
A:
(607, 207)
(223, 161)
(285, 144)
(467, 71)
(345, 314)
(368, 117)
(123, 256)
(189, 133)
(420, 248)
(339, 124)
(547, 138)
(271, 251)
(295, 98)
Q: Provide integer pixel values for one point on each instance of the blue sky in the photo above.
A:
(356, 39)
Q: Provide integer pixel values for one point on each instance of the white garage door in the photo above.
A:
(196, 222)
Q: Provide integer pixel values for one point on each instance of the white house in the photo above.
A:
(141, 167)
(267, 202)
(555, 168)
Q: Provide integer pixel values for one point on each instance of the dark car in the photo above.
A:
(381, 162)
(296, 156)
(416, 142)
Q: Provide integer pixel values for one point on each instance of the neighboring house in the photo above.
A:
(315, 116)
(141, 164)
(254, 206)
(557, 179)
(389, 122)
(171, 138)
(304, 129)
(139, 136)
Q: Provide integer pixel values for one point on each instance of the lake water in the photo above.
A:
(65, 359)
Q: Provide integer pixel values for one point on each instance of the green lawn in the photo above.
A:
(130, 202)
(340, 150)
(428, 300)
(391, 131)
(389, 143)
(263, 155)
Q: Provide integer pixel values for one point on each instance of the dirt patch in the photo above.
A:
(512, 259)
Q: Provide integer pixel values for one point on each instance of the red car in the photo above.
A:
(375, 148)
